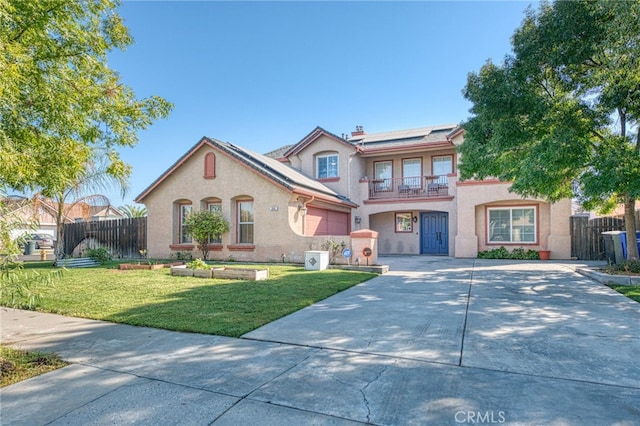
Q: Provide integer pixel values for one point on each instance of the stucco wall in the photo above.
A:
(474, 198)
(277, 223)
(305, 160)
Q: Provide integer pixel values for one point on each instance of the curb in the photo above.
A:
(609, 279)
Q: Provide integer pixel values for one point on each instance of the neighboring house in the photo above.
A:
(402, 184)
(44, 213)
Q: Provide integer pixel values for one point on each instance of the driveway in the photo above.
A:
(434, 341)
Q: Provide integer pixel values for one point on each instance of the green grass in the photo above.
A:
(17, 365)
(631, 291)
(210, 306)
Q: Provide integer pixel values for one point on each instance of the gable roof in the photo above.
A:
(270, 168)
(315, 134)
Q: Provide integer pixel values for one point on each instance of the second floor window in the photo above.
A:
(382, 174)
(412, 172)
(442, 165)
(327, 166)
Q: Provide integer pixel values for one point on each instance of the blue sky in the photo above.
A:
(264, 74)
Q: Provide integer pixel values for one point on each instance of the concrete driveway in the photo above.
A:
(435, 341)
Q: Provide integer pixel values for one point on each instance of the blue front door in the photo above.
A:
(434, 235)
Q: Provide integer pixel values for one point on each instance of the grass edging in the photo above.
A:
(17, 365)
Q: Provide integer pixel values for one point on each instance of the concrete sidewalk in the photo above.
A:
(435, 341)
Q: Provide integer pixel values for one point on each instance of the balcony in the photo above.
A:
(409, 187)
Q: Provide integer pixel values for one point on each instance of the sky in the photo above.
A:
(264, 74)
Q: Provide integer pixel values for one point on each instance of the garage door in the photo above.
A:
(326, 222)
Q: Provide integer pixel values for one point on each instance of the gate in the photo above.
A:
(587, 241)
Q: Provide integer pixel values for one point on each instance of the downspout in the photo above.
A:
(349, 183)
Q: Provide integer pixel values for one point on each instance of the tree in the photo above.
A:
(133, 211)
(79, 197)
(18, 288)
(205, 225)
(61, 106)
(559, 117)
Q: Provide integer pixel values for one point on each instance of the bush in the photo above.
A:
(182, 255)
(101, 255)
(502, 253)
(333, 248)
(626, 267)
(198, 264)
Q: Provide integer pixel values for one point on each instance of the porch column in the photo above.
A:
(559, 240)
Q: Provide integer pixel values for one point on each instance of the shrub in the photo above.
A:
(198, 264)
(626, 267)
(182, 255)
(205, 225)
(101, 255)
(333, 248)
(502, 253)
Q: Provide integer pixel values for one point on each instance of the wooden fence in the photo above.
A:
(587, 241)
(123, 237)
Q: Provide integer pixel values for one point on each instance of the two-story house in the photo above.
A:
(402, 184)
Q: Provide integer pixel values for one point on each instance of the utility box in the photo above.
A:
(316, 260)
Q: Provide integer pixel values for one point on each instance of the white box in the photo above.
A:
(316, 260)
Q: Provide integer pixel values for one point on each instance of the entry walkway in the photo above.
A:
(434, 341)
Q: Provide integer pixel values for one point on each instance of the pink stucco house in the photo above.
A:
(401, 184)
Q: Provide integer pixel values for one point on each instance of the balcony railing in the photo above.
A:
(409, 187)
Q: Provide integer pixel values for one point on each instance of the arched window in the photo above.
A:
(209, 166)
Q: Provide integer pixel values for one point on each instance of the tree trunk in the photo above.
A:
(630, 227)
(58, 250)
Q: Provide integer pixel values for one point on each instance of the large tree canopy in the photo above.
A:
(559, 117)
(61, 106)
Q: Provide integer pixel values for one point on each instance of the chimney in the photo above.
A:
(359, 131)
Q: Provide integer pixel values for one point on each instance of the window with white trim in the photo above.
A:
(412, 172)
(327, 166)
(185, 211)
(215, 207)
(442, 165)
(512, 224)
(245, 222)
(382, 174)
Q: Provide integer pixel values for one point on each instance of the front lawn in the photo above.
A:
(631, 291)
(153, 298)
